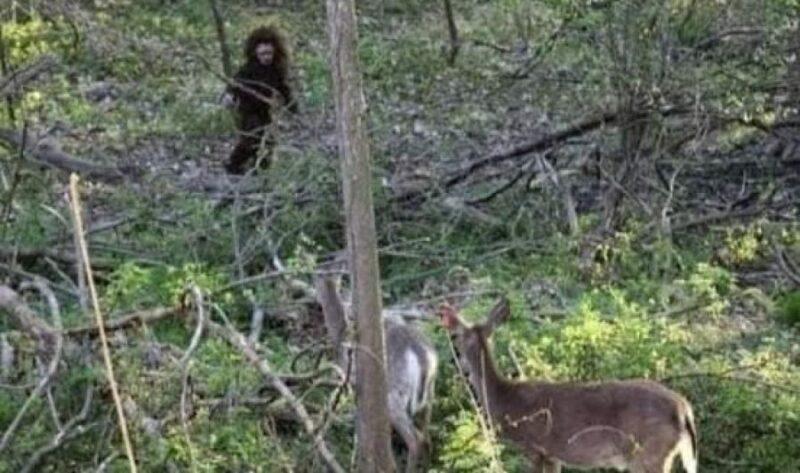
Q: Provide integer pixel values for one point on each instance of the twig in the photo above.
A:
(48, 153)
(70, 430)
(198, 333)
(219, 24)
(256, 322)
(11, 83)
(239, 341)
(52, 367)
(76, 213)
(139, 317)
(452, 29)
(788, 266)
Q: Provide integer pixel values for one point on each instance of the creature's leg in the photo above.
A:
(250, 131)
(244, 152)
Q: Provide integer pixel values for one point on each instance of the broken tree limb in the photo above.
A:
(23, 317)
(47, 152)
(135, 318)
(75, 206)
(553, 139)
(11, 83)
(55, 357)
(239, 341)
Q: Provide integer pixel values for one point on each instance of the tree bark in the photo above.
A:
(372, 422)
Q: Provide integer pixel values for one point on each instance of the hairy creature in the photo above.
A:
(256, 88)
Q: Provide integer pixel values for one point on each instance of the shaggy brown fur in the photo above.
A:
(254, 90)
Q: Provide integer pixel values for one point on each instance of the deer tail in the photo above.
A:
(688, 443)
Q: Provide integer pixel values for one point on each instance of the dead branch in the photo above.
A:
(219, 24)
(24, 318)
(452, 30)
(548, 141)
(201, 317)
(11, 83)
(135, 318)
(75, 206)
(566, 193)
(717, 38)
(72, 429)
(55, 356)
(236, 339)
(460, 207)
(47, 152)
(788, 266)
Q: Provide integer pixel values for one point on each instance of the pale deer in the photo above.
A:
(411, 368)
(638, 425)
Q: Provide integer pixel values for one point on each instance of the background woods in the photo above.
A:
(627, 172)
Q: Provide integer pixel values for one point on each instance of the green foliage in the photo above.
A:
(709, 286)
(316, 77)
(29, 36)
(624, 342)
(132, 285)
(469, 446)
(743, 244)
(790, 308)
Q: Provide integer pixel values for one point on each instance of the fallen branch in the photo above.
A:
(52, 366)
(12, 82)
(552, 139)
(72, 429)
(789, 267)
(238, 340)
(135, 318)
(24, 318)
(75, 206)
(47, 152)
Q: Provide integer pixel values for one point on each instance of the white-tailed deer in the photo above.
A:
(638, 425)
(411, 368)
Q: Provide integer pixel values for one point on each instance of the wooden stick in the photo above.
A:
(75, 206)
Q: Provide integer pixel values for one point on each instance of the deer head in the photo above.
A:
(638, 425)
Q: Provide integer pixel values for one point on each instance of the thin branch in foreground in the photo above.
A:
(238, 340)
(52, 367)
(75, 206)
(73, 428)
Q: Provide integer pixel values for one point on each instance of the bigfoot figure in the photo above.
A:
(254, 93)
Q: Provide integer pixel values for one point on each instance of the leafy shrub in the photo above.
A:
(790, 308)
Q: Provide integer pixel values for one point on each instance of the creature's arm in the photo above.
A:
(286, 92)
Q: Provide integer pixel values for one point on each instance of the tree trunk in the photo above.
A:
(372, 422)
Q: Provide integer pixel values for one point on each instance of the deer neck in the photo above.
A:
(487, 383)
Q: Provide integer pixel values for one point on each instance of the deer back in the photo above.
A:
(411, 361)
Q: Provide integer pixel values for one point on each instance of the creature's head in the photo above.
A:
(266, 46)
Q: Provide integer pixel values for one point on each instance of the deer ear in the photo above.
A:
(499, 313)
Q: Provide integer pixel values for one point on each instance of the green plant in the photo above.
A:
(789, 306)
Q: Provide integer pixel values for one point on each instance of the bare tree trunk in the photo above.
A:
(455, 43)
(225, 53)
(372, 423)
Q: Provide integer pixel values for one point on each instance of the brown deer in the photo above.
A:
(638, 425)
(411, 368)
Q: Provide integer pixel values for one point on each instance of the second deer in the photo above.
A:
(411, 368)
(638, 426)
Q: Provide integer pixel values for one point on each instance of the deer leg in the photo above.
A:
(542, 464)
(550, 466)
(404, 426)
